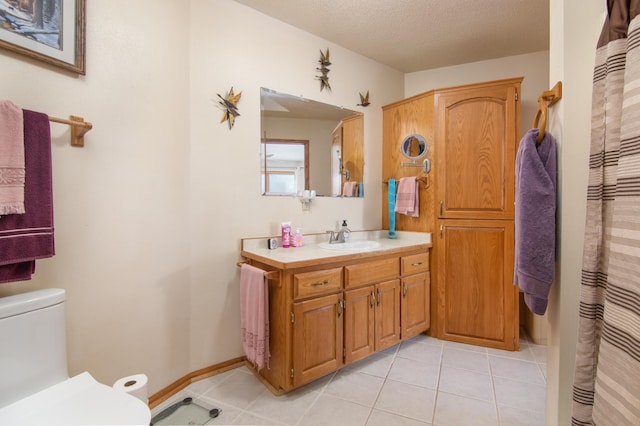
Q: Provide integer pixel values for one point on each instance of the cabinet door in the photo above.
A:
(317, 338)
(477, 131)
(415, 304)
(387, 314)
(477, 301)
(359, 314)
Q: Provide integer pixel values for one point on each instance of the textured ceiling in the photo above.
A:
(414, 35)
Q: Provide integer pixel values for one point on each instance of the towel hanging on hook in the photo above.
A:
(545, 100)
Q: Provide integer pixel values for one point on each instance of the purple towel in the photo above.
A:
(27, 237)
(535, 219)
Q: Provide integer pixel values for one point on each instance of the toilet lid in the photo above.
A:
(80, 400)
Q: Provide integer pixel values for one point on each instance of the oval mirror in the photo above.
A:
(414, 146)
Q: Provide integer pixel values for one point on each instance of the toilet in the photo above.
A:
(35, 388)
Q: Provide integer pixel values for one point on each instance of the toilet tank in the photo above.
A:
(33, 353)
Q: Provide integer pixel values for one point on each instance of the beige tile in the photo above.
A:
(415, 372)
(515, 417)
(466, 383)
(377, 364)
(469, 360)
(465, 347)
(407, 400)
(382, 418)
(524, 396)
(239, 390)
(515, 369)
(355, 387)
(455, 410)
(539, 353)
(419, 350)
(288, 408)
(523, 354)
(331, 411)
(249, 419)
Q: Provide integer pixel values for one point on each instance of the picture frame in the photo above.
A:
(51, 31)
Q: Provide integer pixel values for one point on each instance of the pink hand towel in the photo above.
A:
(254, 315)
(408, 199)
(12, 172)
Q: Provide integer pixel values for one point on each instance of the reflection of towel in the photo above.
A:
(535, 217)
(254, 315)
(407, 199)
(27, 237)
(350, 189)
(11, 159)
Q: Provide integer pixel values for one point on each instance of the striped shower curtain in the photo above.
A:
(606, 388)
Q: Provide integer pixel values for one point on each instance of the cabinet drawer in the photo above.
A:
(378, 270)
(317, 282)
(415, 263)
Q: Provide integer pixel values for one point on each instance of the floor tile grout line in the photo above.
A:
(435, 398)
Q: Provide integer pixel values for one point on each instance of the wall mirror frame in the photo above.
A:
(286, 123)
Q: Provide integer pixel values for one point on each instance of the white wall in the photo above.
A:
(149, 215)
(575, 27)
(121, 203)
(534, 67)
(232, 45)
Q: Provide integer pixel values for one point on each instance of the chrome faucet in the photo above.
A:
(342, 236)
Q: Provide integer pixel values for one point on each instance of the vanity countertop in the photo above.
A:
(292, 257)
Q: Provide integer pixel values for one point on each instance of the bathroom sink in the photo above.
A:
(351, 245)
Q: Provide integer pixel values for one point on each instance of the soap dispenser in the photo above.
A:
(345, 231)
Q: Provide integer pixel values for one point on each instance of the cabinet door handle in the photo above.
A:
(339, 308)
(379, 297)
(319, 283)
(440, 207)
(404, 290)
(441, 230)
(373, 299)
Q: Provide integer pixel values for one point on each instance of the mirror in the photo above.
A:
(309, 145)
(414, 146)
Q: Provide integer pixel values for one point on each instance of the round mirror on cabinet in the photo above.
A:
(414, 146)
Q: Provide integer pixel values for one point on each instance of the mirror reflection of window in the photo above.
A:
(284, 166)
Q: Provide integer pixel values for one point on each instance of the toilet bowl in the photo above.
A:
(34, 386)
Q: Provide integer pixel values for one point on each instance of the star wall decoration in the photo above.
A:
(229, 105)
(324, 71)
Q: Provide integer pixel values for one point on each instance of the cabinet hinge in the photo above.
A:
(516, 96)
(291, 373)
(293, 318)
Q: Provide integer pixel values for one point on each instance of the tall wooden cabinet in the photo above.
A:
(472, 132)
(347, 152)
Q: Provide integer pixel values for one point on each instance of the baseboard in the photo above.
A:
(175, 387)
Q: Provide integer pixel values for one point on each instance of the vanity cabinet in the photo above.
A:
(372, 312)
(327, 313)
(416, 287)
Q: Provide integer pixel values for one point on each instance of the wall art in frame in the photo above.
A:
(52, 31)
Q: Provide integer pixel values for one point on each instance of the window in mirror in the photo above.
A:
(284, 166)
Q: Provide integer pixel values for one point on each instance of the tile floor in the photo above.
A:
(423, 381)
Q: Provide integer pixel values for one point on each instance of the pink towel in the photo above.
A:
(27, 237)
(254, 315)
(350, 189)
(11, 159)
(408, 199)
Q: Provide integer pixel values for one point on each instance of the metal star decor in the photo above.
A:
(229, 106)
(364, 100)
(324, 71)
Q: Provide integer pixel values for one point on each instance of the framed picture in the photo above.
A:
(51, 31)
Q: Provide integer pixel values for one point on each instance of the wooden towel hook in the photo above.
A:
(545, 100)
